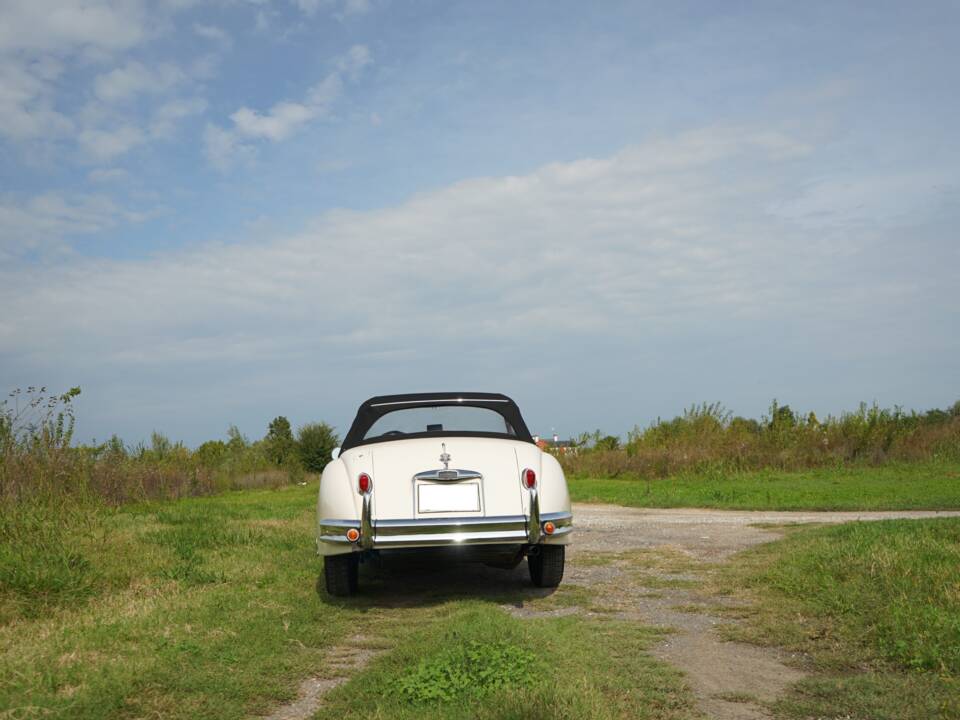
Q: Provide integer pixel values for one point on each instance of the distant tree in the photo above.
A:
(607, 442)
(315, 442)
(211, 453)
(238, 441)
(746, 426)
(279, 440)
(781, 417)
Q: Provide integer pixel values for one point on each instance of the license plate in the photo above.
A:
(456, 497)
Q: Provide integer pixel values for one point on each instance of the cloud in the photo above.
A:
(107, 175)
(132, 79)
(356, 7)
(27, 100)
(310, 7)
(223, 149)
(168, 116)
(214, 34)
(44, 221)
(650, 236)
(284, 118)
(277, 124)
(102, 145)
(612, 270)
(62, 26)
(340, 9)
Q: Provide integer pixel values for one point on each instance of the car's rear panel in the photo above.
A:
(456, 490)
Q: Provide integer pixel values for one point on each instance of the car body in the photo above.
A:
(442, 470)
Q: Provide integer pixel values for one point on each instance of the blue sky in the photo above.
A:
(218, 212)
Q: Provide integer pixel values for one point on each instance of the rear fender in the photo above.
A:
(336, 500)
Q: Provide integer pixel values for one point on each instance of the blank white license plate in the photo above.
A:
(458, 497)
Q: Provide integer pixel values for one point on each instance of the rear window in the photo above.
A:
(441, 418)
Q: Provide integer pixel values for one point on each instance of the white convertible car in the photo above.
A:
(454, 470)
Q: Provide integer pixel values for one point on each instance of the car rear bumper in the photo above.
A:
(434, 532)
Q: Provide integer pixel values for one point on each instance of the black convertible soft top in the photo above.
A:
(377, 407)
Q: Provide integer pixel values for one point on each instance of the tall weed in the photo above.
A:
(708, 439)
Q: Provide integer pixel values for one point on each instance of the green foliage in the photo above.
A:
(707, 439)
(470, 669)
(279, 443)
(315, 442)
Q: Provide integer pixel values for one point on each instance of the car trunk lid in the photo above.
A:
(448, 477)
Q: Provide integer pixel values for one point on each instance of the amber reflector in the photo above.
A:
(353, 534)
(549, 527)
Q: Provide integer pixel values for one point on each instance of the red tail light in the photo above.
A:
(364, 483)
(529, 478)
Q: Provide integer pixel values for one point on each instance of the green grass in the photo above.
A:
(929, 485)
(475, 661)
(207, 607)
(875, 607)
(199, 608)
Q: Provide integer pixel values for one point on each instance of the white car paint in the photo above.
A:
(392, 466)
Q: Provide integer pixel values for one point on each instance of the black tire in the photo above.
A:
(340, 574)
(546, 567)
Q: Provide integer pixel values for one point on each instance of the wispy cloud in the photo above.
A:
(27, 109)
(133, 78)
(283, 119)
(505, 255)
(62, 27)
(43, 222)
(213, 33)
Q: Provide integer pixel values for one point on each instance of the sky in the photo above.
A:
(216, 212)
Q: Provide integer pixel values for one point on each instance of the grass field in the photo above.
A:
(207, 607)
(933, 485)
(875, 607)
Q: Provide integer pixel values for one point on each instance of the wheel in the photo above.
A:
(340, 574)
(546, 567)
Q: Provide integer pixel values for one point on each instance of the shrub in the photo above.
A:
(315, 442)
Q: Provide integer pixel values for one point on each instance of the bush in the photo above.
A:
(315, 442)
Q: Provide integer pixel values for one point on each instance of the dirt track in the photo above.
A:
(704, 534)
(732, 681)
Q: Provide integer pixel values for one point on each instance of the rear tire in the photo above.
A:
(340, 574)
(546, 567)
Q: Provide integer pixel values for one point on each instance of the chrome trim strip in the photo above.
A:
(345, 524)
(455, 526)
(366, 523)
(337, 539)
(517, 536)
(446, 401)
(451, 475)
(458, 521)
(533, 526)
(560, 519)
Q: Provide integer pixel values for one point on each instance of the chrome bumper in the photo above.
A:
(426, 532)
